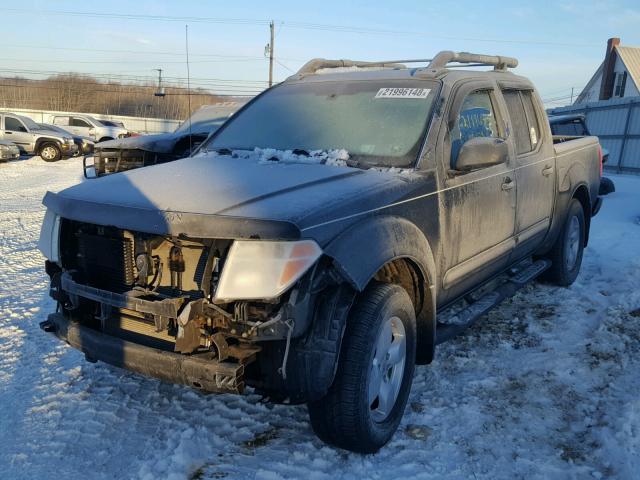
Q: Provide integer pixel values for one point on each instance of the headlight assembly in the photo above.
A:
(49, 243)
(262, 270)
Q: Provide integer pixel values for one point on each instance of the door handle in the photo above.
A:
(508, 184)
(8, 133)
(547, 170)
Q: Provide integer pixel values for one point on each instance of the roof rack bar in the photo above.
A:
(500, 63)
(441, 60)
(312, 66)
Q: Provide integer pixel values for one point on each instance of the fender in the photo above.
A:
(362, 250)
(41, 140)
(376, 241)
(560, 214)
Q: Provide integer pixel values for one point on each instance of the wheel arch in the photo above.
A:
(396, 252)
(40, 142)
(581, 193)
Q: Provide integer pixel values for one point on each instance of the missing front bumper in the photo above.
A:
(198, 372)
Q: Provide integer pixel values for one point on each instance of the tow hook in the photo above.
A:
(48, 326)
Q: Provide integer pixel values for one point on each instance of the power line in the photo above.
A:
(103, 90)
(226, 60)
(174, 82)
(298, 25)
(135, 77)
(142, 52)
(148, 83)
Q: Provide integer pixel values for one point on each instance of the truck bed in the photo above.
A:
(581, 153)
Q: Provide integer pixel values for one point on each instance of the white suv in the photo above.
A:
(87, 126)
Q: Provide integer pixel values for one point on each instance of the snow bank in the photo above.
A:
(546, 386)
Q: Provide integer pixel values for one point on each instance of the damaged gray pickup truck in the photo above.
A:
(306, 247)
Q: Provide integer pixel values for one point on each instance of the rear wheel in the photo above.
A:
(566, 254)
(365, 404)
(50, 152)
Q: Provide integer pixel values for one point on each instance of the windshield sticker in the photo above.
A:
(403, 92)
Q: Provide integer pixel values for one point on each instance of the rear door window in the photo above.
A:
(519, 125)
(78, 122)
(532, 118)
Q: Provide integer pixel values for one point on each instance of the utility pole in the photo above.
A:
(160, 91)
(271, 55)
(571, 95)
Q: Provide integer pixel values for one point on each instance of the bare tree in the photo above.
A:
(82, 93)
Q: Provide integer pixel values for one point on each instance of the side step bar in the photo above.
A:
(469, 315)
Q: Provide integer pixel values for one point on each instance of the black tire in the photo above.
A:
(49, 152)
(564, 267)
(344, 417)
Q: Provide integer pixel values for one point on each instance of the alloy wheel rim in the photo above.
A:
(572, 245)
(48, 153)
(387, 368)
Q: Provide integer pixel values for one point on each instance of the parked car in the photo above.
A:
(32, 139)
(574, 125)
(8, 151)
(305, 249)
(134, 152)
(87, 126)
(85, 144)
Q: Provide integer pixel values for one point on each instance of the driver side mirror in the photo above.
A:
(89, 167)
(480, 152)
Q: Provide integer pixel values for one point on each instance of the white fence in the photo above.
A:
(135, 124)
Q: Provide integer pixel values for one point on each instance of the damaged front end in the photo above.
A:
(196, 311)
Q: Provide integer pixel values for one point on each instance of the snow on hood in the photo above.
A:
(272, 156)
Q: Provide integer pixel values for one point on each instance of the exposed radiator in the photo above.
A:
(106, 262)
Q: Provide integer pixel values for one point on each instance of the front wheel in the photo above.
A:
(366, 401)
(50, 152)
(566, 254)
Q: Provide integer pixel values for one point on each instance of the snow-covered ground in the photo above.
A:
(547, 386)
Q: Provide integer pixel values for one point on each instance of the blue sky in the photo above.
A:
(559, 44)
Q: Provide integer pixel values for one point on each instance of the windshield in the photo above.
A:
(208, 125)
(379, 122)
(52, 128)
(572, 128)
(205, 120)
(31, 125)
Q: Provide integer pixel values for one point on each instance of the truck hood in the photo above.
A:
(224, 197)
(157, 143)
